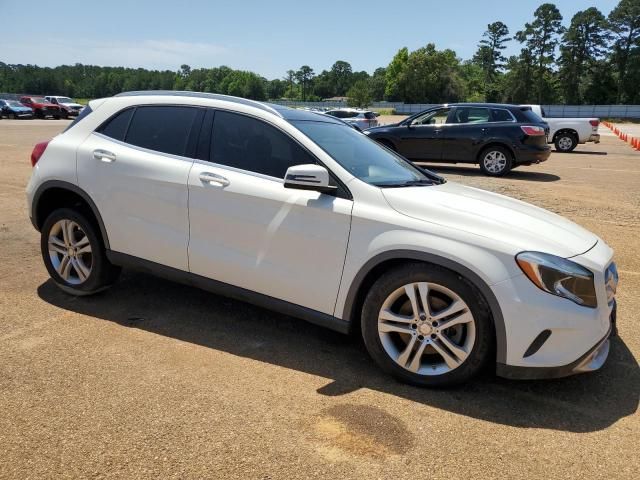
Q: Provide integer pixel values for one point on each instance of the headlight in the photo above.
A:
(559, 276)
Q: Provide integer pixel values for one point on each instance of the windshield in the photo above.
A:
(13, 103)
(64, 100)
(38, 100)
(363, 157)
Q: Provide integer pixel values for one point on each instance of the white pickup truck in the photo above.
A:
(567, 133)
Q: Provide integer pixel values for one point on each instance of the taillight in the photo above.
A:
(532, 130)
(38, 150)
(594, 123)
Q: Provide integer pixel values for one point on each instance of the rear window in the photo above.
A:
(163, 129)
(369, 115)
(84, 113)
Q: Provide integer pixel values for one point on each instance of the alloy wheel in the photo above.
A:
(495, 161)
(426, 328)
(70, 251)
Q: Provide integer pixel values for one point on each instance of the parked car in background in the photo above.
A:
(298, 213)
(498, 137)
(42, 108)
(68, 106)
(567, 133)
(14, 109)
(363, 119)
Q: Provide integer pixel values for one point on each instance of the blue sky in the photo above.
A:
(267, 37)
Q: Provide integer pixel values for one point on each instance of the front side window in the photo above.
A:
(434, 117)
(470, 115)
(161, 128)
(250, 144)
(361, 156)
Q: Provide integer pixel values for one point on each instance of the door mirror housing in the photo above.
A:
(308, 177)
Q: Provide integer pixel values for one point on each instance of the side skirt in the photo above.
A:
(227, 290)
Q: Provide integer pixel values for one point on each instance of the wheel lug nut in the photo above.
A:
(434, 323)
(433, 335)
(420, 337)
(414, 326)
(423, 317)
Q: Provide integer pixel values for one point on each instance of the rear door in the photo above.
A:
(135, 167)
(465, 131)
(421, 139)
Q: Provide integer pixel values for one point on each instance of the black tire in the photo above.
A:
(388, 144)
(39, 114)
(565, 142)
(486, 165)
(482, 348)
(102, 272)
(15, 116)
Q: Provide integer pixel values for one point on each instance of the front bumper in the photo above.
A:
(592, 360)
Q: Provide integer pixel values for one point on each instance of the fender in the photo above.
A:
(49, 184)
(349, 309)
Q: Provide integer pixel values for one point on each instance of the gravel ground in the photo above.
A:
(153, 379)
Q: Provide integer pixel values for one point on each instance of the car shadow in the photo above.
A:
(474, 171)
(583, 152)
(583, 403)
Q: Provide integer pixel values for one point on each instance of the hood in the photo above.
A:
(382, 128)
(493, 216)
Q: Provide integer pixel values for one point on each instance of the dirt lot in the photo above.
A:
(155, 380)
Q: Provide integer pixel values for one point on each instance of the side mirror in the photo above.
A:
(308, 177)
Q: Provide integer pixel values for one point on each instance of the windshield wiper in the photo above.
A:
(408, 183)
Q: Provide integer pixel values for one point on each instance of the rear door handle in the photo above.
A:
(208, 177)
(104, 156)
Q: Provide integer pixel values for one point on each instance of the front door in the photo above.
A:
(249, 231)
(420, 139)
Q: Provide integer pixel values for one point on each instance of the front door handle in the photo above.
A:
(209, 177)
(104, 156)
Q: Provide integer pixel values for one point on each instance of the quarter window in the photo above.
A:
(163, 128)
(116, 127)
(249, 144)
(501, 115)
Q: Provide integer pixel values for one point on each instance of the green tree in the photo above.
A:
(304, 77)
(583, 44)
(395, 74)
(625, 25)
(340, 76)
(359, 95)
(541, 38)
(490, 58)
(378, 83)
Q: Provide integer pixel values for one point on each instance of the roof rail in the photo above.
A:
(212, 96)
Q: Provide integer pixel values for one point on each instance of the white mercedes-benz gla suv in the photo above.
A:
(299, 213)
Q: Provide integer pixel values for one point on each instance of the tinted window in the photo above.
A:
(501, 115)
(530, 115)
(434, 117)
(470, 115)
(369, 115)
(83, 114)
(116, 127)
(163, 129)
(250, 144)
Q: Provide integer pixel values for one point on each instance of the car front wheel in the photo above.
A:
(74, 253)
(426, 326)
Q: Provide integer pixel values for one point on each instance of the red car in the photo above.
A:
(42, 108)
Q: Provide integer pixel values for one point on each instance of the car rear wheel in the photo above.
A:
(496, 161)
(74, 253)
(566, 142)
(426, 326)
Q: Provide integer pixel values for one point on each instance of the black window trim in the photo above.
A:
(197, 125)
(341, 192)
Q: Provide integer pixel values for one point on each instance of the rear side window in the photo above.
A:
(116, 127)
(369, 115)
(249, 144)
(470, 115)
(501, 115)
(163, 128)
(530, 115)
